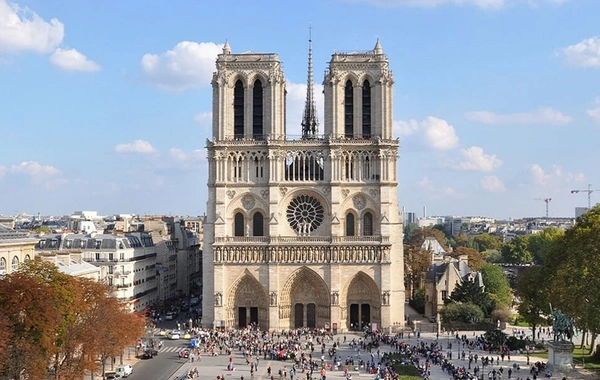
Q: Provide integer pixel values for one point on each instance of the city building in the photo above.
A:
(303, 231)
(14, 250)
(71, 263)
(127, 262)
(443, 277)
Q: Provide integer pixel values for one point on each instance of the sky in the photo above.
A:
(106, 105)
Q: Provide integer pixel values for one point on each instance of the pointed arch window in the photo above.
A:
(238, 224)
(238, 110)
(368, 224)
(257, 110)
(350, 228)
(348, 110)
(258, 226)
(366, 110)
(15, 264)
(2, 265)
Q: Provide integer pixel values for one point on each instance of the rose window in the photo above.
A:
(305, 214)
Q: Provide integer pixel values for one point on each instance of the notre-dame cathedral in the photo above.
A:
(305, 231)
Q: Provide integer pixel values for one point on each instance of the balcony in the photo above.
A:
(123, 286)
(321, 240)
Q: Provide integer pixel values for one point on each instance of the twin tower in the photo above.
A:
(303, 231)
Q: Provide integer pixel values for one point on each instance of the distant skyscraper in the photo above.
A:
(411, 217)
(580, 211)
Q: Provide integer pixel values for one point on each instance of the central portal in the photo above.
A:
(307, 297)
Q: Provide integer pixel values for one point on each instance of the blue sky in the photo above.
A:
(106, 104)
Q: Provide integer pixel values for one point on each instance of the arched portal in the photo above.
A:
(247, 303)
(362, 302)
(304, 300)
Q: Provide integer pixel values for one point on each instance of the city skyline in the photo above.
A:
(108, 107)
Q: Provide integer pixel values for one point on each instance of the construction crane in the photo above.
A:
(589, 192)
(547, 200)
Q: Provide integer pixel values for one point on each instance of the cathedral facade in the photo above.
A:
(306, 231)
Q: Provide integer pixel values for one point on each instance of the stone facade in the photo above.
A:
(303, 232)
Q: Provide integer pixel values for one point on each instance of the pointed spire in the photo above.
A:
(226, 47)
(378, 49)
(310, 124)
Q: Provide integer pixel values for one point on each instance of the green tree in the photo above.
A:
(576, 257)
(532, 293)
(486, 242)
(517, 251)
(470, 292)
(496, 284)
(493, 256)
(540, 244)
(461, 313)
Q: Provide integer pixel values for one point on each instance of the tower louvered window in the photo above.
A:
(348, 110)
(238, 224)
(366, 110)
(238, 110)
(257, 111)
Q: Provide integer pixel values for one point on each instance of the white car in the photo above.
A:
(170, 316)
(174, 335)
(124, 370)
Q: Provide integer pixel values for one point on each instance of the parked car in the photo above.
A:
(124, 370)
(111, 375)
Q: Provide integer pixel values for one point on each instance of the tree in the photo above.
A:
(540, 244)
(487, 242)
(517, 251)
(575, 257)
(461, 313)
(475, 258)
(418, 260)
(496, 284)
(532, 294)
(493, 256)
(470, 292)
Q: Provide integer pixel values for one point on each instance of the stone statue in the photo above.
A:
(562, 326)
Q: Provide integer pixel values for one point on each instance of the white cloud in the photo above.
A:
(35, 170)
(439, 134)
(72, 60)
(594, 113)
(436, 133)
(295, 101)
(492, 184)
(426, 184)
(583, 54)
(543, 115)
(2, 171)
(554, 177)
(23, 30)
(138, 146)
(188, 65)
(180, 155)
(204, 119)
(405, 128)
(474, 159)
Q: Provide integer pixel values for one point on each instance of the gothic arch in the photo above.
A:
(260, 76)
(367, 76)
(350, 76)
(241, 77)
(247, 293)
(361, 300)
(304, 286)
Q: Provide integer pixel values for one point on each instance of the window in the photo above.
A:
(111, 257)
(257, 110)
(366, 110)
(2, 265)
(348, 110)
(350, 224)
(68, 243)
(97, 256)
(258, 224)
(110, 269)
(27, 258)
(444, 294)
(368, 224)
(15, 264)
(238, 228)
(238, 110)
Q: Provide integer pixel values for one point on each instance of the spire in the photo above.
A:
(310, 124)
(378, 49)
(226, 48)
